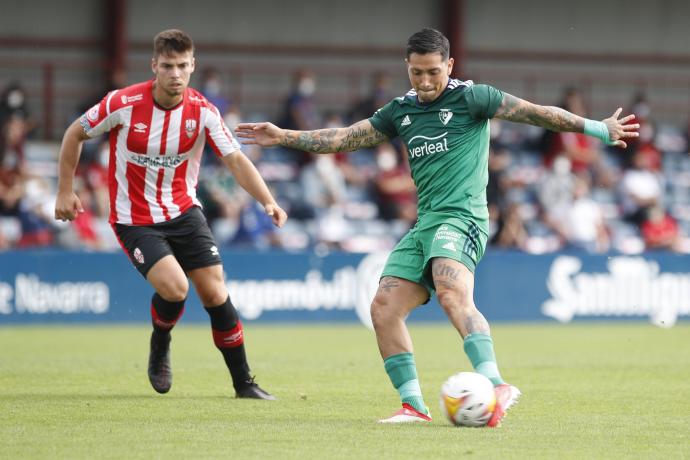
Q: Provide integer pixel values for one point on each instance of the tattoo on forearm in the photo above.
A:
(552, 118)
(359, 135)
(388, 283)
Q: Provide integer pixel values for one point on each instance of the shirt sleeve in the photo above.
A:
(483, 101)
(99, 119)
(218, 135)
(382, 121)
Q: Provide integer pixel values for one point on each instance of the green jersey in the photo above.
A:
(448, 146)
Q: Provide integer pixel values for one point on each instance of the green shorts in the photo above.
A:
(435, 235)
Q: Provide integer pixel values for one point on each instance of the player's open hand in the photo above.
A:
(277, 214)
(265, 134)
(67, 206)
(619, 130)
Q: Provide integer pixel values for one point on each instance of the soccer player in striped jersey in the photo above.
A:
(157, 130)
(445, 124)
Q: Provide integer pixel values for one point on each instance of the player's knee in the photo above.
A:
(214, 295)
(173, 290)
(380, 311)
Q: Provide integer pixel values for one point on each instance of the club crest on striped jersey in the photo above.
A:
(190, 127)
(92, 114)
(445, 115)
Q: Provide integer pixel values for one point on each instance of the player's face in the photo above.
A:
(428, 74)
(173, 72)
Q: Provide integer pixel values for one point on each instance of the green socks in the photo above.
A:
(403, 374)
(480, 350)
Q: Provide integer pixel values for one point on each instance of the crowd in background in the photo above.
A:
(547, 191)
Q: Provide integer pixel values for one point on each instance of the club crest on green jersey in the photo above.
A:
(445, 115)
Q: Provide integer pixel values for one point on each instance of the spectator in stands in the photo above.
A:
(212, 89)
(15, 125)
(300, 111)
(582, 150)
(255, 229)
(660, 230)
(21, 197)
(34, 214)
(506, 226)
(378, 96)
(321, 177)
(640, 188)
(11, 191)
(355, 175)
(82, 232)
(584, 225)
(639, 105)
(556, 194)
(395, 189)
(95, 176)
(510, 228)
(646, 146)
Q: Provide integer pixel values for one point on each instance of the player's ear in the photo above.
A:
(451, 61)
(193, 65)
(153, 65)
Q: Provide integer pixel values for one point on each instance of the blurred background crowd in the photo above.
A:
(547, 191)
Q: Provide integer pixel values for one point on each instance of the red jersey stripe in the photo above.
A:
(155, 153)
(136, 178)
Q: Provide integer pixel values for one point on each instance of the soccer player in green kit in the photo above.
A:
(445, 124)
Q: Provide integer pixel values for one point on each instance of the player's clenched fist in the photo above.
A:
(67, 206)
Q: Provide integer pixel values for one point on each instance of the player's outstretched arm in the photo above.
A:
(249, 179)
(360, 135)
(67, 204)
(612, 130)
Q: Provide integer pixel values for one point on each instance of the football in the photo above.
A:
(468, 399)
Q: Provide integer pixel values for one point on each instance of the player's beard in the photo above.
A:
(175, 90)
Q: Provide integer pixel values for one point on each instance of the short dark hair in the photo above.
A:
(428, 41)
(172, 41)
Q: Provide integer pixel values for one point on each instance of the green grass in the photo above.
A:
(589, 391)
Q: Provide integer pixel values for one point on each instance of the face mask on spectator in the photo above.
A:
(15, 99)
(386, 160)
(306, 87)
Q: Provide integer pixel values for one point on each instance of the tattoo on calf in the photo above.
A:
(475, 323)
(443, 283)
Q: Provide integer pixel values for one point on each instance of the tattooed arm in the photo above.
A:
(556, 119)
(361, 134)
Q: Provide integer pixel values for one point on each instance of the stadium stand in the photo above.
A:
(364, 201)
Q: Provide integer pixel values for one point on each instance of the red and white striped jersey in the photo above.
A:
(155, 153)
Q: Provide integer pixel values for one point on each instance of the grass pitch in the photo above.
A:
(589, 391)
